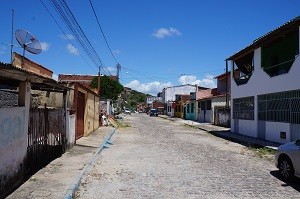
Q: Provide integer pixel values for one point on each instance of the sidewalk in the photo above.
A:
(226, 133)
(56, 179)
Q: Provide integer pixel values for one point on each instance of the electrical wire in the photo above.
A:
(63, 10)
(99, 25)
(66, 35)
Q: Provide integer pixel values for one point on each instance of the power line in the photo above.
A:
(65, 34)
(103, 32)
(70, 21)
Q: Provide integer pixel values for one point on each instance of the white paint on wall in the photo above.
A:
(261, 83)
(246, 128)
(13, 139)
(273, 130)
(170, 92)
(70, 129)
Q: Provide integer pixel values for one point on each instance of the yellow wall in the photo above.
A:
(91, 112)
(179, 114)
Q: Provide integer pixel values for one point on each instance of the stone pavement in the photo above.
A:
(226, 133)
(57, 178)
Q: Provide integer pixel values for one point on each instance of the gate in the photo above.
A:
(45, 137)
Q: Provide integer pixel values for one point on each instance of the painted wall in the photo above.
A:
(217, 102)
(207, 118)
(13, 144)
(70, 129)
(261, 83)
(222, 116)
(273, 130)
(91, 112)
(170, 110)
(188, 113)
(246, 128)
(170, 92)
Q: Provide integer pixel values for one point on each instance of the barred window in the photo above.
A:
(243, 108)
(280, 107)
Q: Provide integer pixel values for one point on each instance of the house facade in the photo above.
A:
(265, 93)
(84, 101)
(24, 148)
(190, 108)
(180, 101)
(168, 97)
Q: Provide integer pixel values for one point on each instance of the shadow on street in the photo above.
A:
(295, 183)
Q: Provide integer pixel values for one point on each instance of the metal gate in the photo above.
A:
(45, 137)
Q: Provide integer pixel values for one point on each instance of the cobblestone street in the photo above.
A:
(158, 158)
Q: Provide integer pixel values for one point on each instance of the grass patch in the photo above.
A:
(191, 126)
(121, 124)
(263, 152)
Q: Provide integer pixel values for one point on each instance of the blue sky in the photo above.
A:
(158, 43)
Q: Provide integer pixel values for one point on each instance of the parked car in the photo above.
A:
(127, 111)
(153, 112)
(287, 160)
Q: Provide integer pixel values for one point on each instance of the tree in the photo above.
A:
(109, 88)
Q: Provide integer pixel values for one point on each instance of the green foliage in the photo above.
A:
(109, 88)
(135, 98)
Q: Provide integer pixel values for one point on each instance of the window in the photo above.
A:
(278, 57)
(245, 67)
(280, 107)
(188, 108)
(243, 108)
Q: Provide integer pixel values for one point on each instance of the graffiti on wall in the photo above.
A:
(223, 117)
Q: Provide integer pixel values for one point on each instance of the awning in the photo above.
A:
(12, 76)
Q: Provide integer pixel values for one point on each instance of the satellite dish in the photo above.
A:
(28, 42)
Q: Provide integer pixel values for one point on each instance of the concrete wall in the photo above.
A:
(170, 92)
(217, 102)
(261, 83)
(31, 66)
(70, 129)
(273, 130)
(13, 144)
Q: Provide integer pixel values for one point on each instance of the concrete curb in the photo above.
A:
(71, 191)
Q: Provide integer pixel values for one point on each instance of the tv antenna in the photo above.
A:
(28, 42)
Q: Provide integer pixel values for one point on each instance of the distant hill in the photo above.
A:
(134, 97)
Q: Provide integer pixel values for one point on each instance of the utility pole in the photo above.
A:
(226, 83)
(12, 37)
(118, 71)
(99, 74)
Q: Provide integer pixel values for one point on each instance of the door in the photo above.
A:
(80, 115)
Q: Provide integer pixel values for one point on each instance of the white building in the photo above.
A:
(168, 95)
(265, 92)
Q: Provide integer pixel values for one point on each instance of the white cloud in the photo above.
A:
(45, 46)
(164, 32)
(208, 81)
(55, 76)
(72, 49)
(149, 88)
(116, 52)
(112, 70)
(67, 36)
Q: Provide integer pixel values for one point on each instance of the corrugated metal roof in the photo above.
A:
(11, 75)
